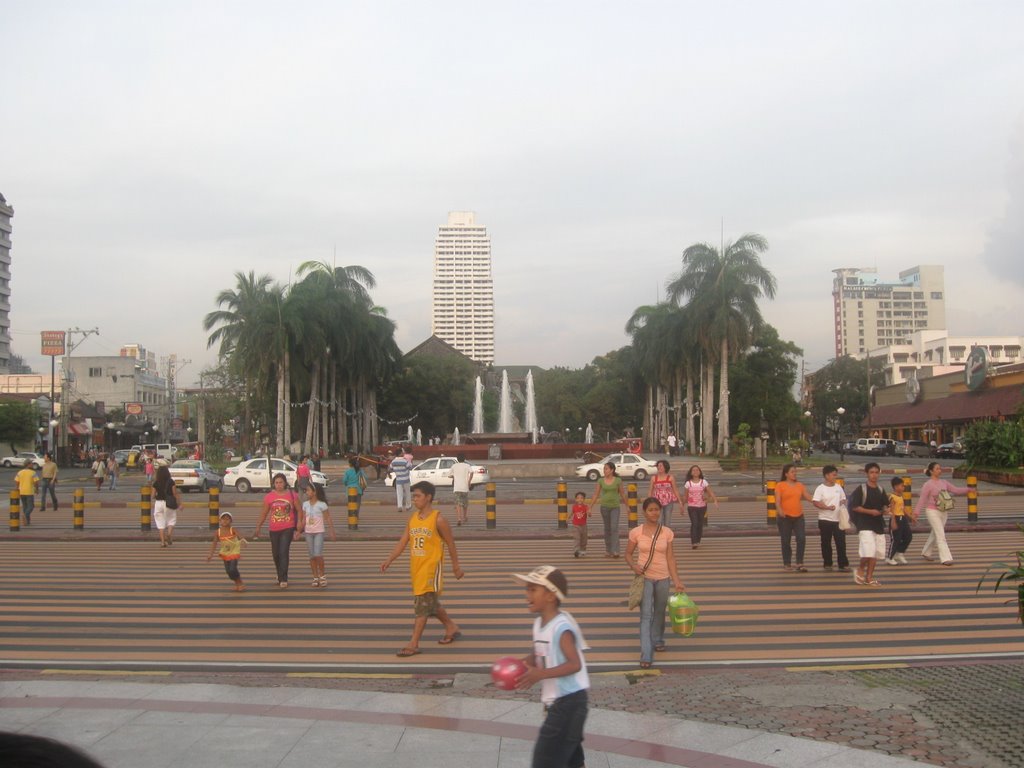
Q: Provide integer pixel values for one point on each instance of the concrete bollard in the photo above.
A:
(492, 506)
(146, 508)
(353, 509)
(562, 504)
(972, 499)
(214, 508)
(15, 522)
(773, 514)
(631, 506)
(78, 509)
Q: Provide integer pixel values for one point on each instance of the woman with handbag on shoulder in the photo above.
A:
(649, 555)
(936, 500)
(166, 500)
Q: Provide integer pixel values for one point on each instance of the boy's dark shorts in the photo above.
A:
(426, 604)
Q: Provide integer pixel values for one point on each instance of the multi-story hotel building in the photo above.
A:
(462, 311)
(870, 314)
(6, 213)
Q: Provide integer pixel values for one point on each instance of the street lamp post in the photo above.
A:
(839, 431)
(764, 444)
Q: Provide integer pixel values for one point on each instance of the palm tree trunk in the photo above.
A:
(287, 403)
(311, 414)
(279, 431)
(707, 437)
(691, 432)
(723, 400)
(324, 442)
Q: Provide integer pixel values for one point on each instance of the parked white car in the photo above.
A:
(438, 471)
(19, 460)
(626, 465)
(189, 474)
(256, 474)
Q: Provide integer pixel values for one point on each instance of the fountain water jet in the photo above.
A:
(478, 407)
(531, 408)
(505, 405)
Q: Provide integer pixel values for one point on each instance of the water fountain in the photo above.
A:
(531, 408)
(455, 436)
(589, 436)
(478, 407)
(419, 437)
(409, 434)
(505, 405)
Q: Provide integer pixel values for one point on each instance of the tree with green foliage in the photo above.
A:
(723, 287)
(436, 392)
(18, 423)
(761, 381)
(843, 383)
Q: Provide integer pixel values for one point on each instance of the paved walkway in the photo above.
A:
(151, 725)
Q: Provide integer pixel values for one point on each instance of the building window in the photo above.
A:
(936, 295)
(95, 373)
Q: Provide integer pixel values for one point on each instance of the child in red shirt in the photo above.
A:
(580, 516)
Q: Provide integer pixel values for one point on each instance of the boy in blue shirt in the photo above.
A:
(557, 663)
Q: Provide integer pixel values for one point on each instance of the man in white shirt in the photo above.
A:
(828, 497)
(461, 474)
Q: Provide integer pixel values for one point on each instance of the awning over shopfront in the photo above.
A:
(79, 429)
(961, 407)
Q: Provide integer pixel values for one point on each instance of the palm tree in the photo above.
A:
(240, 328)
(723, 287)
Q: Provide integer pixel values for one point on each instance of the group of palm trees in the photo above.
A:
(320, 343)
(710, 316)
(323, 345)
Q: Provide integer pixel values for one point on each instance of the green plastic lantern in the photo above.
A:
(683, 613)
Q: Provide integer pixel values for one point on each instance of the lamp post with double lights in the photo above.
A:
(839, 431)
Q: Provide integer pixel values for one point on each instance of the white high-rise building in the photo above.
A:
(462, 311)
(870, 314)
(6, 213)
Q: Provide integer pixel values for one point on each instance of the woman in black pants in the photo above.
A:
(282, 506)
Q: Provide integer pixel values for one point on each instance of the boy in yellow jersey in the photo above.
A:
(426, 535)
(900, 533)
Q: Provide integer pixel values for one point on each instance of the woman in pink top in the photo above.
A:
(696, 488)
(658, 570)
(282, 506)
(663, 488)
(929, 502)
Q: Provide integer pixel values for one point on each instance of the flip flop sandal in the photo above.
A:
(450, 640)
(407, 652)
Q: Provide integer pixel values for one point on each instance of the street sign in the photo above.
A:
(52, 343)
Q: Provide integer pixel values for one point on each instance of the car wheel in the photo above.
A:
(243, 485)
(593, 475)
(7, 463)
(641, 474)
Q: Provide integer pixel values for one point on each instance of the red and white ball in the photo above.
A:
(505, 671)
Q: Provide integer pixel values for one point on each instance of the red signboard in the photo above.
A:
(53, 342)
(133, 409)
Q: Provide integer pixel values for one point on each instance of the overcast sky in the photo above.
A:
(152, 149)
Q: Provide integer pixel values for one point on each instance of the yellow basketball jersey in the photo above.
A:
(426, 554)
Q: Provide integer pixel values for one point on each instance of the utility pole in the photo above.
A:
(65, 389)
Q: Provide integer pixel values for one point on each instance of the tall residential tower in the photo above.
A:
(870, 314)
(6, 213)
(462, 311)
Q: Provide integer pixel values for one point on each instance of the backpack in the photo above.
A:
(944, 501)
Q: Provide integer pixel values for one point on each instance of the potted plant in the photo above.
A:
(1010, 573)
(742, 443)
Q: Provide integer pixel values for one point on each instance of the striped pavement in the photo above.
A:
(127, 603)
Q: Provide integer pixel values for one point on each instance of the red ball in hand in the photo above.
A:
(505, 671)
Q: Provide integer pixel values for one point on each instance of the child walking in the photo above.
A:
(900, 534)
(580, 516)
(557, 663)
(315, 515)
(427, 534)
(230, 543)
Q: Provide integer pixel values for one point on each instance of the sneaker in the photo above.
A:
(828, 567)
(891, 561)
(901, 559)
(844, 569)
(576, 554)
